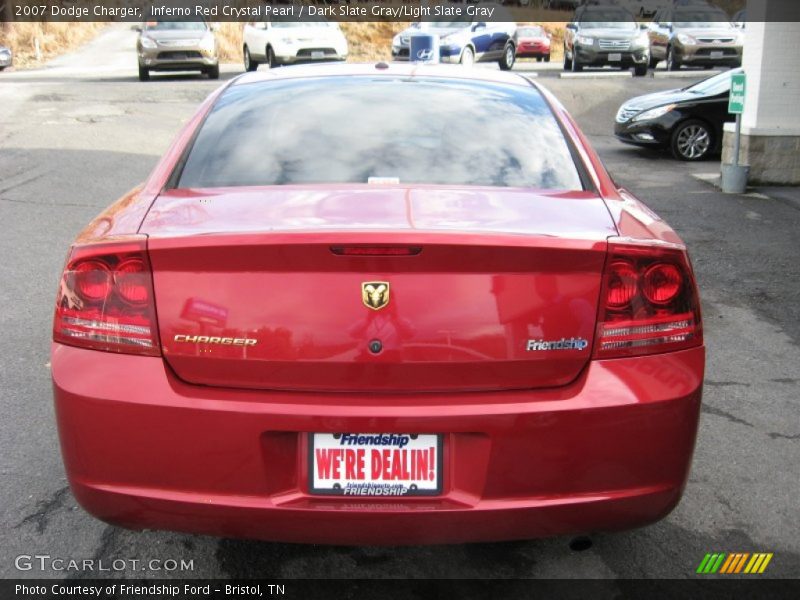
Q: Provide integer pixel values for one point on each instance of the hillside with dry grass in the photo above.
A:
(54, 39)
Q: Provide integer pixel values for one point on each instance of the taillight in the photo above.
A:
(648, 302)
(105, 299)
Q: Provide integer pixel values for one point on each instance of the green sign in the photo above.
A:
(736, 100)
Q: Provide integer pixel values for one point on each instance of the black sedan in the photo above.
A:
(688, 121)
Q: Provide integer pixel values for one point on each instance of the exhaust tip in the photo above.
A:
(580, 543)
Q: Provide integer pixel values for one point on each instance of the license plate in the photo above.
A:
(717, 54)
(317, 54)
(616, 57)
(375, 464)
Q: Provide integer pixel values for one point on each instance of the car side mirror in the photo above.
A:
(572, 26)
(477, 26)
(643, 26)
(136, 28)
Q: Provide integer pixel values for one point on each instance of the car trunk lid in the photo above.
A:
(483, 289)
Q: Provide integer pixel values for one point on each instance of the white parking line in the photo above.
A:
(685, 74)
(597, 75)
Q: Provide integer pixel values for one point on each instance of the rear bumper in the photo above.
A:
(144, 450)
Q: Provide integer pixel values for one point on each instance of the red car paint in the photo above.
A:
(214, 438)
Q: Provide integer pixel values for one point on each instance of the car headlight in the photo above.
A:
(396, 40)
(684, 38)
(654, 113)
(148, 42)
(585, 40)
(207, 43)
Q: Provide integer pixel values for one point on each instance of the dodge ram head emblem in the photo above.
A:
(375, 294)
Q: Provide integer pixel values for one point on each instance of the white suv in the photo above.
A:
(286, 42)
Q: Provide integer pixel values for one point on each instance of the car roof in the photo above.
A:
(396, 69)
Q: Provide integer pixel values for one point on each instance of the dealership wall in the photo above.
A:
(771, 120)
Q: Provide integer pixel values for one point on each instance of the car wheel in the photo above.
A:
(144, 73)
(467, 57)
(271, 62)
(640, 70)
(692, 140)
(546, 58)
(654, 62)
(249, 63)
(509, 56)
(577, 67)
(567, 61)
(539, 59)
(673, 64)
(213, 72)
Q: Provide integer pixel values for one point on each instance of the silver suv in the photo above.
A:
(694, 35)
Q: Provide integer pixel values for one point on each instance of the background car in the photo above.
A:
(644, 8)
(466, 41)
(284, 42)
(688, 121)
(177, 46)
(601, 35)
(532, 41)
(562, 4)
(696, 36)
(6, 59)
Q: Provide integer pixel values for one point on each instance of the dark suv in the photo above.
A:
(605, 35)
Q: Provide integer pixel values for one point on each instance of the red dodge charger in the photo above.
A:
(378, 305)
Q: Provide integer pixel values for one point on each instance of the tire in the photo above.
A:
(567, 61)
(249, 63)
(654, 62)
(577, 67)
(640, 70)
(538, 59)
(213, 72)
(271, 61)
(144, 73)
(509, 56)
(692, 140)
(673, 64)
(467, 57)
(546, 58)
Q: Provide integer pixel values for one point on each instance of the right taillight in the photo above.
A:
(648, 303)
(105, 299)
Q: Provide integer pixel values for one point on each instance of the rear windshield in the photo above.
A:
(530, 31)
(384, 129)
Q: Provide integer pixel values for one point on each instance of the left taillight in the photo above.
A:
(105, 299)
(648, 303)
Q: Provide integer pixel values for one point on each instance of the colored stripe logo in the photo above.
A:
(735, 562)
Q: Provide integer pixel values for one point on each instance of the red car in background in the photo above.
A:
(339, 311)
(532, 41)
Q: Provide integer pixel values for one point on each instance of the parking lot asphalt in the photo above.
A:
(76, 136)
